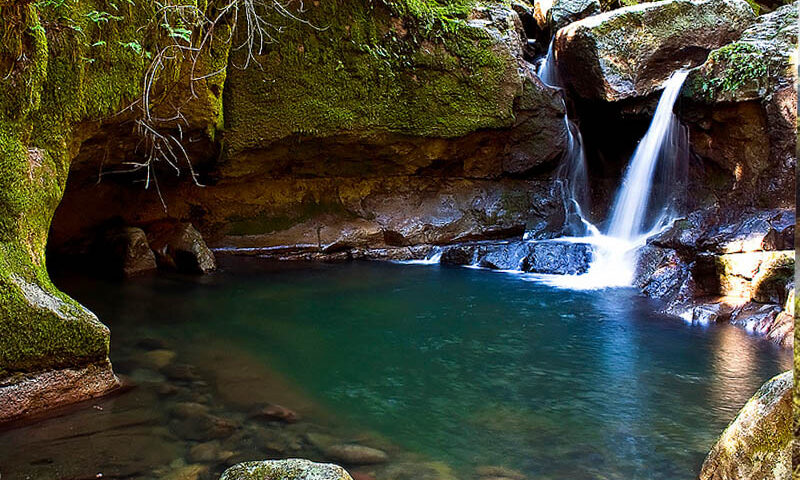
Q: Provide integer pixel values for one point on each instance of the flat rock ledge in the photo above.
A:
(290, 469)
(36, 393)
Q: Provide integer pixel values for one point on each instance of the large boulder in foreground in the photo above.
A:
(630, 52)
(756, 446)
(290, 469)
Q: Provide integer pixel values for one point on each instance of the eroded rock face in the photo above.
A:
(721, 266)
(756, 446)
(410, 136)
(630, 52)
(742, 114)
(291, 469)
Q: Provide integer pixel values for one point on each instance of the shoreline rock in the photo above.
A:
(757, 444)
(34, 394)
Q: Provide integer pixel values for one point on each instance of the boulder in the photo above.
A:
(125, 251)
(559, 258)
(457, 255)
(756, 445)
(630, 52)
(290, 469)
(552, 15)
(508, 256)
(179, 246)
(760, 276)
(757, 64)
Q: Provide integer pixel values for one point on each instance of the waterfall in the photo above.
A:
(572, 177)
(628, 214)
(658, 153)
(547, 68)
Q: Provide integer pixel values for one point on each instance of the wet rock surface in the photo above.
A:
(291, 469)
(712, 268)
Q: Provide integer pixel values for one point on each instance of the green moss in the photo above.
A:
(369, 68)
(264, 222)
(743, 65)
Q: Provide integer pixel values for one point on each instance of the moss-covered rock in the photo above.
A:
(382, 73)
(741, 108)
(290, 469)
(756, 446)
(68, 65)
(758, 64)
(630, 52)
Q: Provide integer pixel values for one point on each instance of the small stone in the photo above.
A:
(353, 454)
(180, 371)
(203, 428)
(188, 410)
(157, 359)
(208, 452)
(496, 471)
(187, 472)
(276, 412)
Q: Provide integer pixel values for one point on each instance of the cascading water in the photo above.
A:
(630, 207)
(629, 227)
(573, 180)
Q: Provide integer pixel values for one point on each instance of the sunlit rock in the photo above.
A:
(631, 51)
(291, 469)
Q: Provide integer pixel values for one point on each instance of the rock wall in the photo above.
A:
(366, 125)
(67, 68)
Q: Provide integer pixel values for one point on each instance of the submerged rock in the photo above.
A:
(756, 446)
(631, 51)
(290, 469)
(353, 454)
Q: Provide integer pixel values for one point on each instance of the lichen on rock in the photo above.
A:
(290, 469)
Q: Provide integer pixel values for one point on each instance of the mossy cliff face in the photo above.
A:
(419, 120)
(387, 114)
(68, 65)
(371, 67)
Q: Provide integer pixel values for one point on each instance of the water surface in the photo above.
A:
(462, 366)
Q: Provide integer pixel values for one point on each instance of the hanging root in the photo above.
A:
(187, 34)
